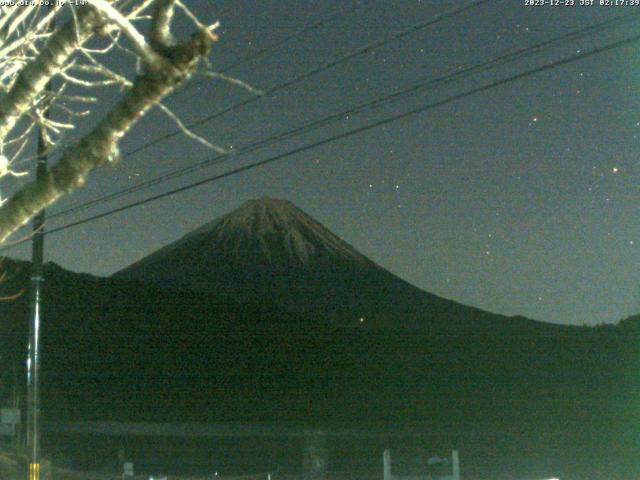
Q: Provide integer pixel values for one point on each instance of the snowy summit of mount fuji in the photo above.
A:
(265, 233)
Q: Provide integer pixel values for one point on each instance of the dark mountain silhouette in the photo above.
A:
(256, 317)
(270, 252)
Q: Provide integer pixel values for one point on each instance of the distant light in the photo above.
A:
(361, 319)
(615, 170)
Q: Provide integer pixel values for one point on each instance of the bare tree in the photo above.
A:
(73, 55)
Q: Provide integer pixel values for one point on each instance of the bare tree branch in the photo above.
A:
(189, 133)
(161, 31)
(101, 145)
(152, 59)
(33, 78)
(75, 58)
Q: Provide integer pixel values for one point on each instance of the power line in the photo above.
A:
(363, 50)
(314, 71)
(350, 133)
(400, 94)
(252, 56)
(263, 51)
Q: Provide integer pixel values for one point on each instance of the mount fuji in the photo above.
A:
(265, 315)
(268, 251)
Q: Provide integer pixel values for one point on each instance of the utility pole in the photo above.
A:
(37, 280)
(35, 310)
(33, 361)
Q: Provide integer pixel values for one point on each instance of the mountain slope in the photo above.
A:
(126, 348)
(261, 233)
(269, 251)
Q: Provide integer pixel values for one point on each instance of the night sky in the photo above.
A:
(521, 199)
